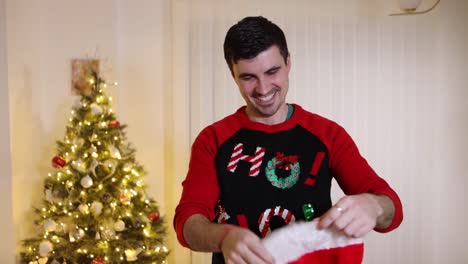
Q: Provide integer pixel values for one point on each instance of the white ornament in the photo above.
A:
(96, 109)
(119, 226)
(45, 247)
(86, 181)
(43, 260)
(132, 255)
(98, 236)
(114, 152)
(50, 225)
(84, 209)
(96, 208)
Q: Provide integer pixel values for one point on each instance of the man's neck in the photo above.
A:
(279, 117)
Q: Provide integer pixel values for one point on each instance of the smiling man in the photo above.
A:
(271, 163)
(263, 83)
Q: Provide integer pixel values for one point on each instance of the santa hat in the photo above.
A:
(301, 243)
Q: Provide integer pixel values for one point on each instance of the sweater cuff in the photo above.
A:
(397, 217)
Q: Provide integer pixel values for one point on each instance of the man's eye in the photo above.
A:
(246, 78)
(271, 72)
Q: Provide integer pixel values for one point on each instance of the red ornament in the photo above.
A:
(58, 162)
(154, 216)
(114, 124)
(98, 261)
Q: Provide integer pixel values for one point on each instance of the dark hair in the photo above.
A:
(250, 36)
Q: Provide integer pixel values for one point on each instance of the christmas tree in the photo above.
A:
(95, 208)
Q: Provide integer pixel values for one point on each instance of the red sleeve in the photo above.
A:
(354, 174)
(200, 187)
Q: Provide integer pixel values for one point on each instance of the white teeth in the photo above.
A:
(266, 98)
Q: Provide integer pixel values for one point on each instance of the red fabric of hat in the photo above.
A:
(302, 243)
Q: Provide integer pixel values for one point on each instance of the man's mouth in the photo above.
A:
(265, 98)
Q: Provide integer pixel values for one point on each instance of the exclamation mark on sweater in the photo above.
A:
(315, 168)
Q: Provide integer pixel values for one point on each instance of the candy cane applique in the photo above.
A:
(255, 160)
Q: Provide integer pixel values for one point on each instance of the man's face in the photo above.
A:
(263, 83)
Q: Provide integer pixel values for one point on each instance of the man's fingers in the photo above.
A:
(344, 219)
(362, 231)
(242, 246)
(353, 228)
(235, 259)
(330, 216)
(260, 251)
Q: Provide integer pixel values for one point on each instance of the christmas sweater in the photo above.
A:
(262, 176)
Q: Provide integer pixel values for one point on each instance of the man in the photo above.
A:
(259, 168)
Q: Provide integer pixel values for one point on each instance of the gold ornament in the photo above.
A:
(79, 165)
(84, 209)
(108, 233)
(96, 208)
(132, 254)
(119, 226)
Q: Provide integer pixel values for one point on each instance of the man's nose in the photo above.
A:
(262, 87)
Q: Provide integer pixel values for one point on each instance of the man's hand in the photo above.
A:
(356, 215)
(242, 246)
(238, 245)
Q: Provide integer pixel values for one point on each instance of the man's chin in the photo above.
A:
(268, 111)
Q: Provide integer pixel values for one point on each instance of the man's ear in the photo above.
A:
(288, 62)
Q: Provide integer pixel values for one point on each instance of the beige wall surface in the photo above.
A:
(397, 84)
(6, 207)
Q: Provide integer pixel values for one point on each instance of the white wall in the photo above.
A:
(6, 221)
(397, 84)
